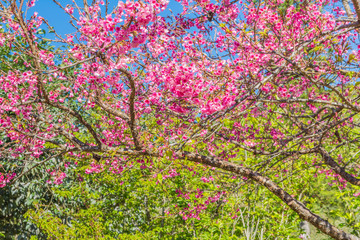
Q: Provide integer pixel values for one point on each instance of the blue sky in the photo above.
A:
(60, 20)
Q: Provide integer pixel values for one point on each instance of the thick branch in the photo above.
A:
(328, 160)
(295, 205)
(86, 8)
(279, 101)
(357, 7)
(132, 108)
(347, 8)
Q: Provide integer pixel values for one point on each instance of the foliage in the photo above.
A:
(138, 205)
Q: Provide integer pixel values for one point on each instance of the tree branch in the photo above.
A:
(132, 108)
(298, 207)
(347, 8)
(328, 160)
(357, 8)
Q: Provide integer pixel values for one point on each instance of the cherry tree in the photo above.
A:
(255, 88)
